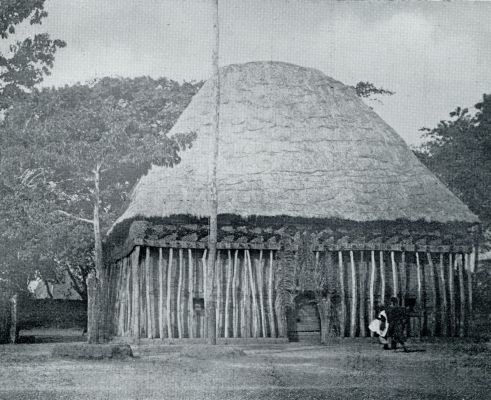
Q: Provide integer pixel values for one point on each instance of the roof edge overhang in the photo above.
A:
(274, 233)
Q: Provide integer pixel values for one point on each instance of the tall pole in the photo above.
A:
(212, 238)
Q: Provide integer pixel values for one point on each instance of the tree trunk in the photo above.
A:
(49, 292)
(96, 321)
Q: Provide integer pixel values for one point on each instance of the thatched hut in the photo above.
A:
(303, 163)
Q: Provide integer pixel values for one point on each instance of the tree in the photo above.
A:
(84, 147)
(27, 61)
(457, 151)
(368, 90)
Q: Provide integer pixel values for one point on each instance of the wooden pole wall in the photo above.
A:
(235, 307)
(154, 295)
(135, 256)
(461, 295)
(432, 286)
(382, 278)
(373, 266)
(395, 278)
(420, 291)
(270, 295)
(354, 305)
(469, 292)
(191, 316)
(443, 295)
(260, 286)
(218, 278)
(451, 293)
(228, 288)
(362, 296)
(168, 294)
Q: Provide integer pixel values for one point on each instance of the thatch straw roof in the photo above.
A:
(294, 142)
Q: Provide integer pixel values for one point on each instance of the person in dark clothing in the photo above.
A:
(397, 319)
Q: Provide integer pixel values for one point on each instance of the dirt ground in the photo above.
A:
(346, 370)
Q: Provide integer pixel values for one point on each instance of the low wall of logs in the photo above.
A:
(158, 292)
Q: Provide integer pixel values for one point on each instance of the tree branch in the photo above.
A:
(89, 221)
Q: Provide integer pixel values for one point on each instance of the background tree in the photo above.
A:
(26, 61)
(60, 140)
(367, 90)
(458, 152)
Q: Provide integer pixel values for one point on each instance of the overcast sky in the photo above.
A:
(435, 56)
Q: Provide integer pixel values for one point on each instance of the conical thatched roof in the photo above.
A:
(297, 143)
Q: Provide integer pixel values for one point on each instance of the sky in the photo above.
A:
(434, 55)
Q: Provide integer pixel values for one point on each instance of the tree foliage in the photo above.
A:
(368, 90)
(52, 141)
(26, 61)
(458, 151)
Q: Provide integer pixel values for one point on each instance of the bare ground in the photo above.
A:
(346, 370)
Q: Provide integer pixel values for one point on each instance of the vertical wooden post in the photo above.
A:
(218, 278)
(170, 335)
(260, 286)
(270, 296)
(382, 278)
(443, 292)
(342, 317)
(244, 320)
(149, 292)
(122, 297)
(162, 324)
(403, 279)
(395, 286)
(191, 318)
(362, 296)
(469, 292)
(433, 293)
(129, 297)
(14, 309)
(420, 287)
(254, 298)
(451, 287)
(352, 331)
(228, 272)
(372, 287)
(180, 329)
(135, 258)
(460, 266)
(235, 310)
(205, 274)
(143, 300)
